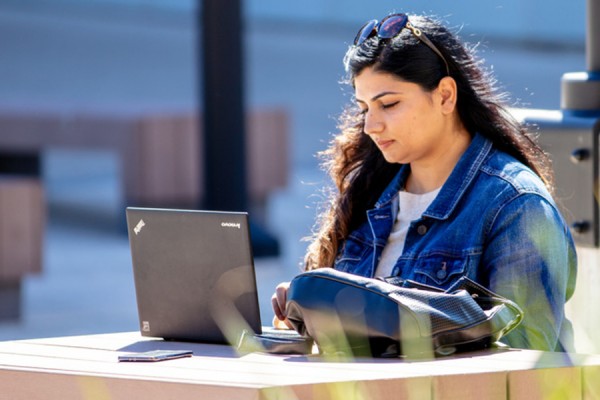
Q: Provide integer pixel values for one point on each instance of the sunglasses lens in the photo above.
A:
(365, 32)
(392, 25)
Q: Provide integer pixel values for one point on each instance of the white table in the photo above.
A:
(86, 367)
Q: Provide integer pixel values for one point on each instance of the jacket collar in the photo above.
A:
(455, 186)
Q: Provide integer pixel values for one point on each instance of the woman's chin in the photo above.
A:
(390, 158)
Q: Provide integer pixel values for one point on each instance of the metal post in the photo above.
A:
(572, 136)
(223, 99)
(592, 43)
(581, 90)
(224, 138)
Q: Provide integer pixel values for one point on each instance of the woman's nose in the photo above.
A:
(372, 124)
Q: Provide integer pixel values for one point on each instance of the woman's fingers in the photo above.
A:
(279, 300)
(279, 324)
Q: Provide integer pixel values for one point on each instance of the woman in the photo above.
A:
(435, 180)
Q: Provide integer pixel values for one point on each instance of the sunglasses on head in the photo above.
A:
(390, 27)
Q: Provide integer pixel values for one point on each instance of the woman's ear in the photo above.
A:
(448, 92)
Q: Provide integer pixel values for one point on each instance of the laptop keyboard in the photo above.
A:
(269, 331)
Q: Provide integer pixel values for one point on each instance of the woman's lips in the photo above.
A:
(382, 144)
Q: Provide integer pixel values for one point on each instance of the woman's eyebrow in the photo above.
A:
(378, 96)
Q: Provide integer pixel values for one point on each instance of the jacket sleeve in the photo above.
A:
(530, 258)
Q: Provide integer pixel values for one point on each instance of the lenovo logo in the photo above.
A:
(231, 225)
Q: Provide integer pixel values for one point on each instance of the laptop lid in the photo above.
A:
(194, 274)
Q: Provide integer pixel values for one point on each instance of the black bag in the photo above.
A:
(353, 315)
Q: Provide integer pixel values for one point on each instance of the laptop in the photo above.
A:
(194, 274)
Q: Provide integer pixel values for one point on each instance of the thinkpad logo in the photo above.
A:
(231, 225)
(139, 226)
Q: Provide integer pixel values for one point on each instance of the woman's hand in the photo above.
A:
(278, 301)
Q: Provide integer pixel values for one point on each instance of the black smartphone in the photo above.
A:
(156, 355)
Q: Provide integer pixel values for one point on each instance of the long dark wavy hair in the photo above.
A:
(356, 165)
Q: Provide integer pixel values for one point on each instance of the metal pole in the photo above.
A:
(221, 50)
(223, 99)
(580, 91)
(592, 47)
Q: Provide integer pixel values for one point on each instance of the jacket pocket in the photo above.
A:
(440, 270)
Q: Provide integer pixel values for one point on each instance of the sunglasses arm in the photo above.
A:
(417, 32)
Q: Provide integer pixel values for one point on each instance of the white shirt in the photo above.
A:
(411, 207)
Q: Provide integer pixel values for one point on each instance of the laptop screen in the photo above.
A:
(194, 274)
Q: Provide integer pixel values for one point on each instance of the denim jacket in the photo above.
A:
(492, 221)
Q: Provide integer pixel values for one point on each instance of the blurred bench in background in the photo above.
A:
(22, 222)
(160, 153)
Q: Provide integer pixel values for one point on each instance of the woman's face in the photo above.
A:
(406, 122)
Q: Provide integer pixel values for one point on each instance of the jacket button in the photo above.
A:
(441, 274)
(422, 229)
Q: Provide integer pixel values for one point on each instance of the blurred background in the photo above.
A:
(108, 86)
